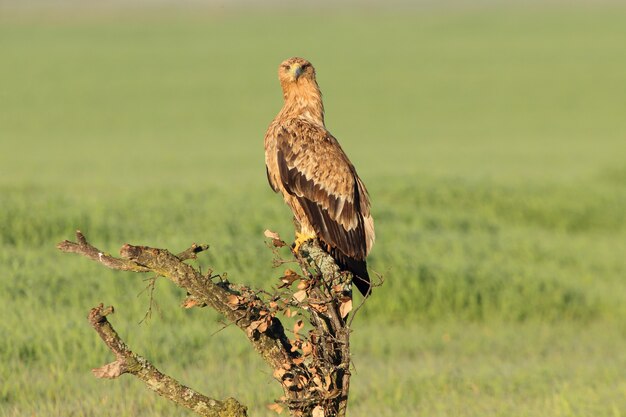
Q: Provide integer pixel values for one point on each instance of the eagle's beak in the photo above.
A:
(297, 72)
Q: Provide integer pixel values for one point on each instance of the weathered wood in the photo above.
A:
(313, 370)
(129, 362)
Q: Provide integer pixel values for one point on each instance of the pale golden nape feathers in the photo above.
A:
(306, 164)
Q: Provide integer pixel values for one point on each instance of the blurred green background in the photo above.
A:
(491, 136)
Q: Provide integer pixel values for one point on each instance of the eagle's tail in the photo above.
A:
(357, 267)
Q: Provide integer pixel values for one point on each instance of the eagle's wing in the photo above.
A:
(314, 169)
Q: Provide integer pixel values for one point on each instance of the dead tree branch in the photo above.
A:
(128, 362)
(313, 369)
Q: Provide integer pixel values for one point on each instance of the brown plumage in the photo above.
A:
(306, 164)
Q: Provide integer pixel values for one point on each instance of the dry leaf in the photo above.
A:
(298, 326)
(300, 295)
(233, 300)
(298, 361)
(190, 302)
(110, 370)
(295, 344)
(307, 349)
(333, 394)
(270, 234)
(320, 308)
(289, 277)
(345, 308)
(275, 407)
(262, 327)
(278, 373)
(318, 412)
(276, 240)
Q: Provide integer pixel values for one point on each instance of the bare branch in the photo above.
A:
(128, 362)
(313, 369)
(192, 252)
(84, 248)
(273, 344)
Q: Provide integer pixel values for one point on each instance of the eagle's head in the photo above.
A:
(302, 95)
(295, 70)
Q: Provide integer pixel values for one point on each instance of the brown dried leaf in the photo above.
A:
(298, 326)
(263, 326)
(190, 302)
(278, 243)
(275, 407)
(233, 300)
(276, 240)
(320, 308)
(270, 234)
(318, 411)
(279, 373)
(289, 278)
(291, 273)
(345, 308)
(298, 361)
(110, 370)
(300, 295)
(295, 344)
(307, 348)
(303, 285)
(333, 393)
(327, 382)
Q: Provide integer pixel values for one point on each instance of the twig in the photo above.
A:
(84, 248)
(128, 362)
(150, 287)
(192, 252)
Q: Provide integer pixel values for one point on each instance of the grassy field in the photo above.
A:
(493, 143)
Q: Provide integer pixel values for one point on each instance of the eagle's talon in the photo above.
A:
(300, 239)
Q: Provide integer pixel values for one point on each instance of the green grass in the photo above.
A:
(493, 145)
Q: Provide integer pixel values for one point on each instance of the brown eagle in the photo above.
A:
(306, 164)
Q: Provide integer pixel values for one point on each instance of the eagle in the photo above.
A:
(306, 164)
